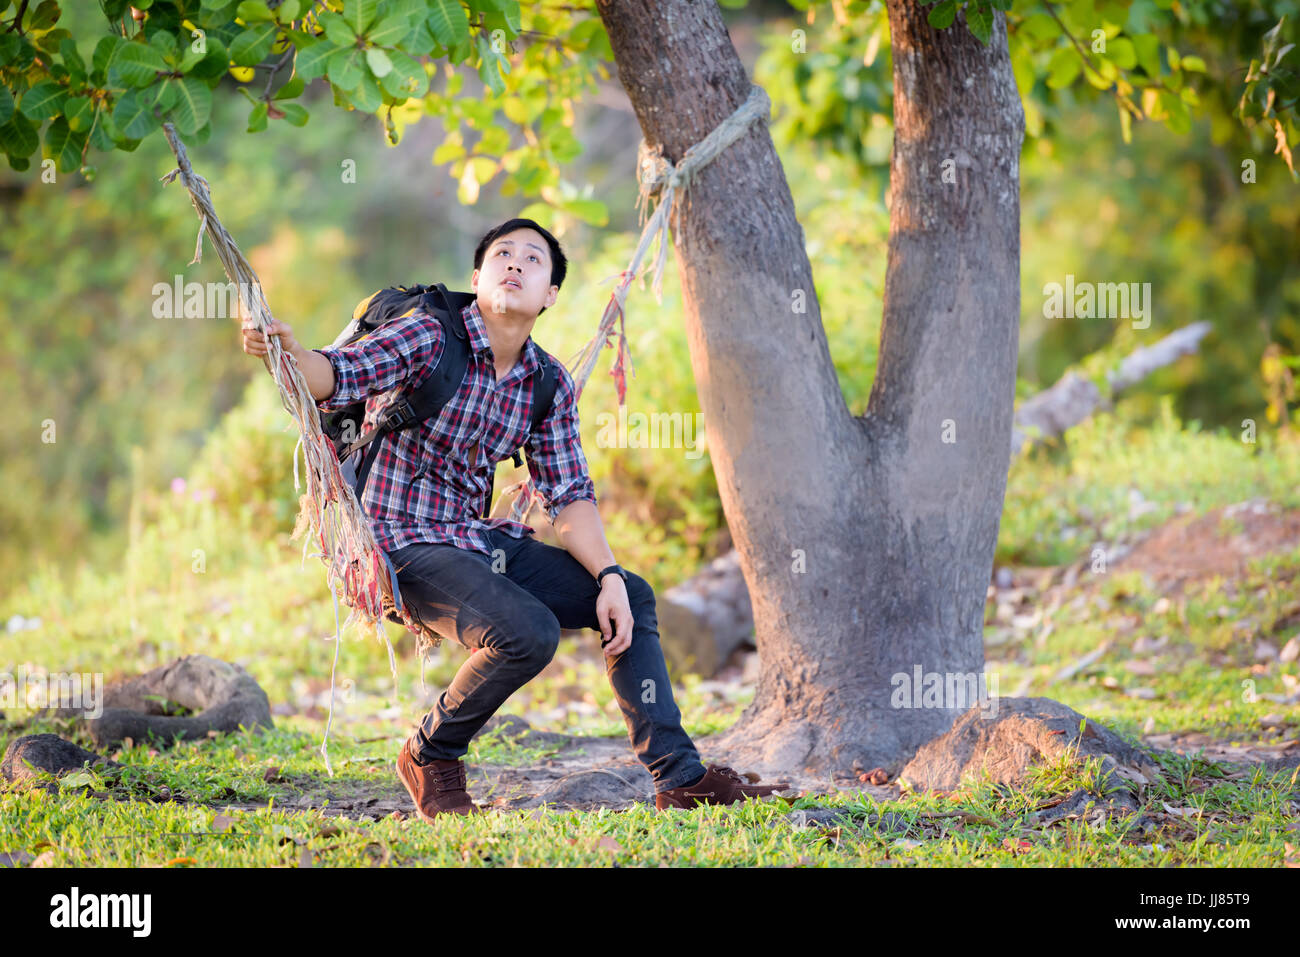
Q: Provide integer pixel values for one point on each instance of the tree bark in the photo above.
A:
(705, 618)
(867, 542)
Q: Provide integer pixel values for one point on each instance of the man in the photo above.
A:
(488, 583)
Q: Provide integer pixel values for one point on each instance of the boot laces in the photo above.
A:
(729, 773)
(450, 778)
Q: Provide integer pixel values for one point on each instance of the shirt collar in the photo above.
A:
(478, 339)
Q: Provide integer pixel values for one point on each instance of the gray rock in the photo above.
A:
(223, 694)
(28, 756)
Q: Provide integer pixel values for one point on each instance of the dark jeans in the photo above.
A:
(511, 619)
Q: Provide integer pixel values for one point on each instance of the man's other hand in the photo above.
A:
(612, 606)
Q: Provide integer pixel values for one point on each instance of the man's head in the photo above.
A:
(518, 269)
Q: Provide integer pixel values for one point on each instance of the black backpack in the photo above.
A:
(407, 409)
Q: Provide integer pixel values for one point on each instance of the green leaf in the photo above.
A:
(43, 101)
(1063, 67)
(45, 16)
(251, 47)
(1147, 46)
(389, 31)
(133, 115)
(420, 40)
(979, 19)
(345, 67)
(495, 141)
(367, 96)
(193, 105)
(451, 149)
(295, 113)
(337, 30)
(489, 64)
(103, 54)
(1193, 64)
(71, 58)
(18, 137)
(77, 779)
(1040, 27)
(214, 63)
(1179, 119)
(359, 13)
(1122, 53)
(447, 20)
(6, 104)
(942, 14)
(165, 44)
(64, 146)
(407, 78)
(165, 93)
(378, 62)
(257, 118)
(293, 88)
(80, 112)
(310, 61)
(253, 11)
(135, 64)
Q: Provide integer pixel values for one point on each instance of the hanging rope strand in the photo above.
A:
(664, 180)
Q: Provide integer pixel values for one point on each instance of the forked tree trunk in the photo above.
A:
(867, 542)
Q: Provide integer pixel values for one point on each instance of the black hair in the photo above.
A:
(559, 263)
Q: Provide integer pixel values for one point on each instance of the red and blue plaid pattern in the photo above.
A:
(429, 483)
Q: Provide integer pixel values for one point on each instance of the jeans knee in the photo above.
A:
(639, 591)
(531, 635)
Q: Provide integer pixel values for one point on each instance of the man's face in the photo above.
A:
(515, 278)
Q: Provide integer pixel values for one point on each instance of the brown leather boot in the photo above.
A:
(437, 787)
(720, 785)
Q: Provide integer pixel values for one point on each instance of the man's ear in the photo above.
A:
(551, 295)
(473, 281)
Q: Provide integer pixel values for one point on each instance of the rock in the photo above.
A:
(596, 786)
(223, 694)
(1290, 651)
(28, 756)
(1023, 732)
(705, 618)
(1004, 578)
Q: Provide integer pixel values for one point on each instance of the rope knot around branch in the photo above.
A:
(655, 172)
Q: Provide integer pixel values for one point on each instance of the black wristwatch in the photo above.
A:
(612, 568)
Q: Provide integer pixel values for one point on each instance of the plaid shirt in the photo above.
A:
(429, 483)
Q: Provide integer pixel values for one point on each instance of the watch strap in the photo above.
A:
(615, 569)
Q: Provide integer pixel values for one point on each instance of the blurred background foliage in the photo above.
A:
(168, 438)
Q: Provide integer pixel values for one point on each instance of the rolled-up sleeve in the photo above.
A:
(555, 459)
(388, 357)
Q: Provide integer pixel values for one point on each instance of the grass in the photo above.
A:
(1184, 663)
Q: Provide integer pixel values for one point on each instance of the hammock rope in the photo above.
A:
(355, 565)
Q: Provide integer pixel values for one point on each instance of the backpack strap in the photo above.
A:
(442, 384)
(436, 390)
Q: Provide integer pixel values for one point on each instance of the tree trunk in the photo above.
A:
(705, 618)
(867, 543)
